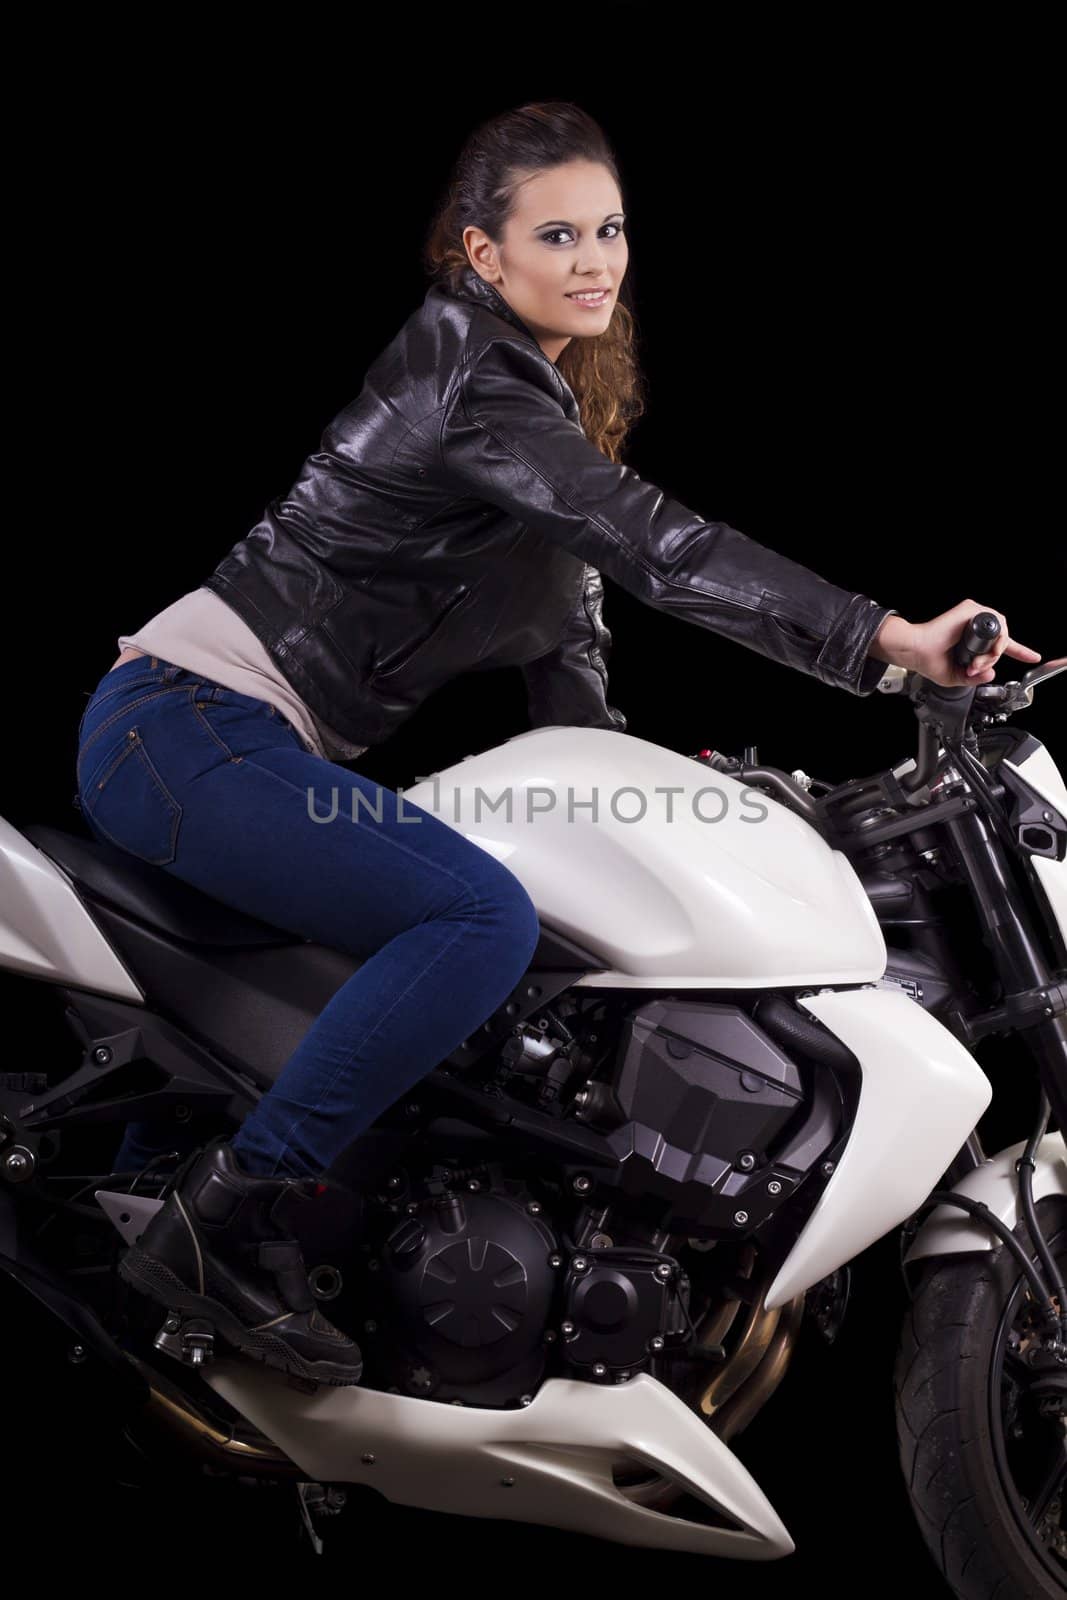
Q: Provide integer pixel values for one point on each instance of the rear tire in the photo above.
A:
(973, 1445)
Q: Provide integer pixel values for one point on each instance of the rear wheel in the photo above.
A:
(985, 1466)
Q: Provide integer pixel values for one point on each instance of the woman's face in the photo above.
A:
(564, 237)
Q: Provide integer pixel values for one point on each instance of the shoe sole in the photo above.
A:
(154, 1279)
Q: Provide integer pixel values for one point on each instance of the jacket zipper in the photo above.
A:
(410, 651)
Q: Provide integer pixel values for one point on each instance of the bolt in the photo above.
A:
(601, 1241)
(774, 1188)
(1046, 816)
(582, 1184)
(76, 1353)
(663, 1271)
(413, 1109)
(599, 1369)
(740, 1217)
(656, 1342)
(367, 1459)
(370, 1326)
(507, 1483)
(746, 1162)
(17, 1164)
(555, 1261)
(394, 1183)
(373, 1264)
(566, 1328)
(580, 1264)
(525, 1399)
(827, 1168)
(550, 1336)
(172, 1324)
(102, 1055)
(473, 1185)
(534, 1208)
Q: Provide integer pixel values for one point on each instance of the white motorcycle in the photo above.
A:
(744, 1051)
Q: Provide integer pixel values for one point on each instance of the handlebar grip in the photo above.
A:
(976, 638)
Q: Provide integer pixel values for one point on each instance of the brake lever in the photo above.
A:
(1030, 680)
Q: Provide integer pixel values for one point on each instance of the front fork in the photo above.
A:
(1035, 997)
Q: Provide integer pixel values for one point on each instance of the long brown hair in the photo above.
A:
(602, 370)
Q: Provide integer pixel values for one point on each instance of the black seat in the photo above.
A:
(150, 894)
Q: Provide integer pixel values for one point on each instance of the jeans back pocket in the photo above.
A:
(126, 801)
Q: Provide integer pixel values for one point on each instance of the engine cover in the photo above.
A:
(705, 1094)
(467, 1290)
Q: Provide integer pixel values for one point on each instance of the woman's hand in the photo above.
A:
(926, 647)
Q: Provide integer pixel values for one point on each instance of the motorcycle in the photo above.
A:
(743, 1052)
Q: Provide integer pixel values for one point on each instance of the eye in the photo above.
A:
(565, 233)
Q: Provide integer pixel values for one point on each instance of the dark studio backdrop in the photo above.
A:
(844, 292)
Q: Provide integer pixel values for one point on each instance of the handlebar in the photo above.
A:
(976, 638)
(942, 712)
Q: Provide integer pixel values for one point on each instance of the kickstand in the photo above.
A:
(319, 1500)
(302, 1491)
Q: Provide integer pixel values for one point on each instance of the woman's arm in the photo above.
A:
(505, 436)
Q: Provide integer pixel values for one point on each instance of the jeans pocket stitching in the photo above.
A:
(197, 706)
(134, 705)
(133, 744)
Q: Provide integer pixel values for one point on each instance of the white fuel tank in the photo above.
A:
(672, 872)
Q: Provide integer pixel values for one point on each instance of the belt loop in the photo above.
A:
(155, 663)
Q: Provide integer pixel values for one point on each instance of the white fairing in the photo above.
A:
(921, 1095)
(712, 885)
(547, 1463)
(45, 930)
(948, 1232)
(1042, 773)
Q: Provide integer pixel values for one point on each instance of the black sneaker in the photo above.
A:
(216, 1251)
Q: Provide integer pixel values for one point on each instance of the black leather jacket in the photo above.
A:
(456, 518)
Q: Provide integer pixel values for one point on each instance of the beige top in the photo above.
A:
(201, 633)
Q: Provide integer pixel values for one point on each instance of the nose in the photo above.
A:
(593, 262)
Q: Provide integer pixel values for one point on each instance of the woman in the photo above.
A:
(456, 517)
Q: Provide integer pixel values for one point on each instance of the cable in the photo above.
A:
(1025, 1167)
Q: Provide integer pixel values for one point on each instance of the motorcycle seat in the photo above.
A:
(150, 894)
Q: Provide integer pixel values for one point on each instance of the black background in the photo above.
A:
(846, 287)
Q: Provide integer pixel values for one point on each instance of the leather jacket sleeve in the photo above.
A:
(506, 437)
(569, 684)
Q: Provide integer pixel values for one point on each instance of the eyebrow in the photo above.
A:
(560, 224)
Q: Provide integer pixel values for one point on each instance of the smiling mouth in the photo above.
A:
(587, 294)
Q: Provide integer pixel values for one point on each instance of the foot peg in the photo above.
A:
(190, 1340)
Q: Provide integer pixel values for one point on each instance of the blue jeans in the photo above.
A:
(218, 789)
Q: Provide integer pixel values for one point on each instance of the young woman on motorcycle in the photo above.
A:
(456, 517)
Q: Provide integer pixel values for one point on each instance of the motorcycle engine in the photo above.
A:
(464, 1287)
(474, 1293)
(474, 1290)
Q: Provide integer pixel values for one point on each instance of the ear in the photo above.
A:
(481, 253)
